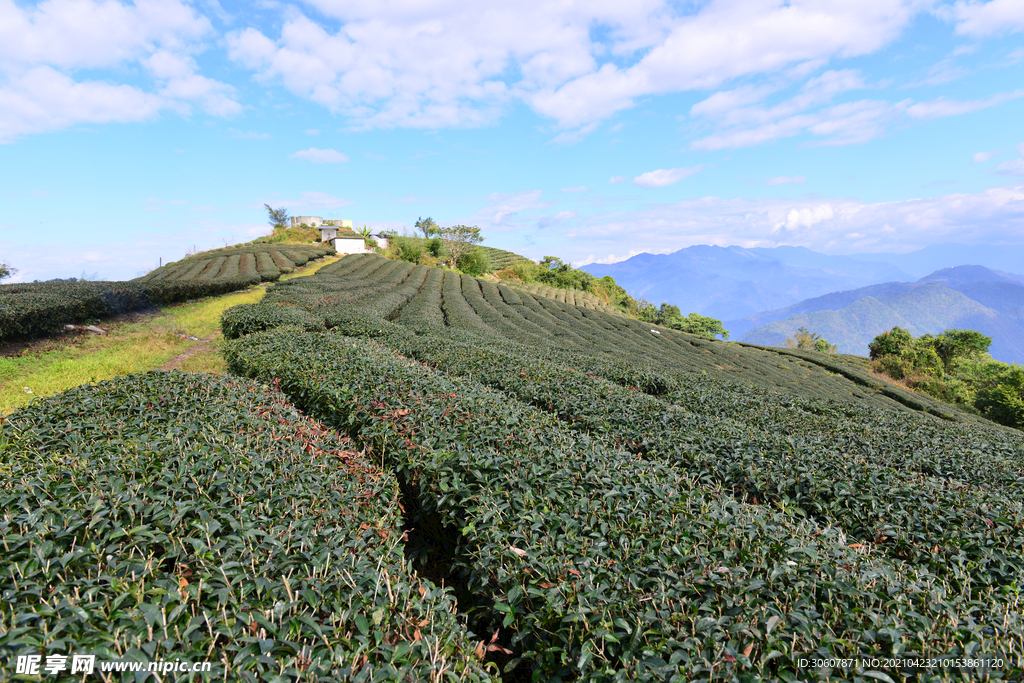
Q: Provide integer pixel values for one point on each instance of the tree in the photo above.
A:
(428, 227)
(957, 345)
(805, 339)
(6, 270)
(278, 217)
(702, 325)
(459, 239)
(891, 343)
(1004, 403)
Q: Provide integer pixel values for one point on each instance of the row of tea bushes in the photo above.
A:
(258, 262)
(950, 508)
(607, 565)
(171, 516)
(43, 308)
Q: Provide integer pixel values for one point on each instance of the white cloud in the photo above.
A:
(1015, 167)
(44, 99)
(664, 177)
(806, 217)
(571, 137)
(561, 216)
(435, 63)
(987, 18)
(783, 180)
(982, 157)
(320, 156)
(581, 188)
(943, 107)
(503, 207)
(726, 40)
(312, 131)
(42, 46)
(995, 216)
(616, 179)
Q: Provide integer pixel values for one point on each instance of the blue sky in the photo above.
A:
(590, 129)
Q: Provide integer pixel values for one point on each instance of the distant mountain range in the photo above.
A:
(965, 297)
(764, 294)
(732, 282)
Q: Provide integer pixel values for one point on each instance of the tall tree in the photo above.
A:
(6, 270)
(459, 239)
(278, 217)
(428, 227)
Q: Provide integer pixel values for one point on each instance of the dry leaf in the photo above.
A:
(182, 582)
(575, 572)
(424, 622)
(423, 591)
(517, 551)
(730, 658)
(498, 648)
(417, 636)
(856, 546)
(748, 649)
(547, 585)
(479, 651)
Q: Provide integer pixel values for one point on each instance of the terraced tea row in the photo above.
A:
(250, 262)
(674, 506)
(170, 516)
(42, 308)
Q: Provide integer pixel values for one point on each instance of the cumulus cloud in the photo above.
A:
(982, 157)
(980, 19)
(664, 176)
(806, 217)
(44, 99)
(616, 179)
(320, 156)
(995, 216)
(572, 190)
(436, 63)
(42, 46)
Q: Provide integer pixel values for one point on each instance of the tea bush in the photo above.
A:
(42, 308)
(633, 506)
(171, 516)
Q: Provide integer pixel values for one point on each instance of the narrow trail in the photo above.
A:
(204, 344)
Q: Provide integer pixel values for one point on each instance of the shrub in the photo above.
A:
(474, 262)
(248, 318)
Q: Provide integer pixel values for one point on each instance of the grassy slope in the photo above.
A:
(58, 364)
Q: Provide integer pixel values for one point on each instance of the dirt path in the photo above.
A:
(203, 345)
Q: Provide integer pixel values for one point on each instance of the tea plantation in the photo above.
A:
(38, 309)
(608, 501)
(251, 262)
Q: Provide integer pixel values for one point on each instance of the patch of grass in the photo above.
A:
(61, 363)
(209, 360)
(126, 349)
